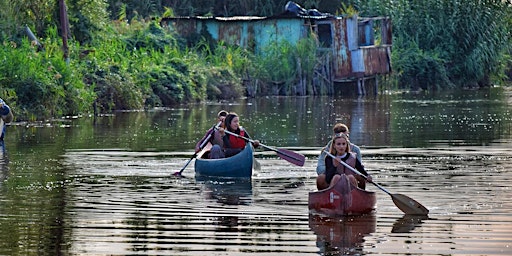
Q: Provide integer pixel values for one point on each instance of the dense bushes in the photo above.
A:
(132, 63)
(129, 66)
(447, 44)
(40, 84)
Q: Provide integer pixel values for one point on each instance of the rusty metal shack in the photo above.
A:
(358, 49)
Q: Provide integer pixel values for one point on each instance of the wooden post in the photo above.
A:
(64, 26)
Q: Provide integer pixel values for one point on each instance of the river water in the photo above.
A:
(105, 185)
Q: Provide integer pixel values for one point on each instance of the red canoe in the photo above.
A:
(342, 199)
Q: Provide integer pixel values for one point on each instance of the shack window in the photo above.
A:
(366, 33)
(324, 35)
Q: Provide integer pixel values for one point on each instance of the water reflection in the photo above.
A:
(408, 223)
(227, 191)
(108, 188)
(342, 235)
(4, 162)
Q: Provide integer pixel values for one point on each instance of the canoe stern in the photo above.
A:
(342, 199)
(237, 166)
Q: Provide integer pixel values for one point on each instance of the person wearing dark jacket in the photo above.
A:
(7, 117)
(340, 148)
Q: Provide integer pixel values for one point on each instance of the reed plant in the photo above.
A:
(288, 69)
(40, 84)
(447, 44)
(277, 60)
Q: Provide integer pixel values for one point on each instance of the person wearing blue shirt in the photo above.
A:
(7, 117)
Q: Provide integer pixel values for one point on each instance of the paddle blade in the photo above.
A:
(408, 205)
(256, 164)
(292, 157)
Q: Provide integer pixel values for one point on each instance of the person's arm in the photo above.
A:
(330, 169)
(360, 168)
(256, 143)
(198, 145)
(357, 151)
(320, 165)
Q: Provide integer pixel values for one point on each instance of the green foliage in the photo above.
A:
(86, 18)
(348, 10)
(112, 70)
(455, 43)
(279, 66)
(223, 67)
(132, 62)
(134, 9)
(40, 84)
(419, 68)
(283, 64)
(306, 55)
(169, 86)
(151, 8)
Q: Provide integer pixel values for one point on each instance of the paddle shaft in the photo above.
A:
(1, 126)
(205, 141)
(357, 172)
(403, 202)
(267, 147)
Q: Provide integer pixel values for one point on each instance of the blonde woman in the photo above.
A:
(340, 148)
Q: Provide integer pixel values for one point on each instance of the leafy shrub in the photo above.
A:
(41, 83)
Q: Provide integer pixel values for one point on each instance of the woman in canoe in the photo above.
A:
(340, 148)
(232, 144)
(320, 167)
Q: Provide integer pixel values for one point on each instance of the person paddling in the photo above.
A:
(7, 117)
(215, 139)
(340, 148)
(320, 167)
(232, 144)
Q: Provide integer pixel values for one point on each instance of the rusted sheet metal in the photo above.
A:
(232, 33)
(253, 34)
(387, 32)
(276, 30)
(353, 50)
(377, 60)
(342, 58)
(184, 26)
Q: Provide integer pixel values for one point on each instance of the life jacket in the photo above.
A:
(236, 142)
(351, 161)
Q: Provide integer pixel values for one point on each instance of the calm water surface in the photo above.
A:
(105, 186)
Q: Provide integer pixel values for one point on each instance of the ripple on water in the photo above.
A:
(129, 203)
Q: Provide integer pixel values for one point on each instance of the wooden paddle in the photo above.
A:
(403, 202)
(205, 142)
(288, 155)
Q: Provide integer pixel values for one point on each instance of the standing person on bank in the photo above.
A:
(232, 144)
(340, 148)
(320, 167)
(216, 138)
(7, 117)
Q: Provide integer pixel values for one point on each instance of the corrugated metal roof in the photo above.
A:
(285, 15)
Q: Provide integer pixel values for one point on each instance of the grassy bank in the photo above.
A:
(133, 65)
(120, 59)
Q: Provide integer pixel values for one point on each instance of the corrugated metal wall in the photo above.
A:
(353, 50)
